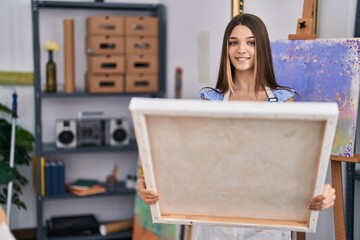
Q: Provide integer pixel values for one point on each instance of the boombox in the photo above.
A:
(92, 132)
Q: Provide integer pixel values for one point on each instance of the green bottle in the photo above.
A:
(50, 74)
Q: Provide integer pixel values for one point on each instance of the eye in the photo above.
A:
(233, 43)
(251, 42)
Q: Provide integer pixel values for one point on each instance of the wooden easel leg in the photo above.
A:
(339, 221)
(300, 236)
(188, 232)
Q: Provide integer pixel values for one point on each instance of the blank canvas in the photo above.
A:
(245, 164)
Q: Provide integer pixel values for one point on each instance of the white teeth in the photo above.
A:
(241, 58)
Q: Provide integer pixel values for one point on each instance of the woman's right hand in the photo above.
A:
(148, 196)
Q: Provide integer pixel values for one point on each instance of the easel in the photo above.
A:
(306, 26)
(337, 183)
(336, 171)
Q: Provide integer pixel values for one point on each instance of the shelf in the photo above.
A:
(50, 148)
(96, 5)
(118, 189)
(126, 235)
(80, 94)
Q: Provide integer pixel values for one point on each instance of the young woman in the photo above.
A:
(246, 74)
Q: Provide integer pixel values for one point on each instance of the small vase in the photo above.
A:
(50, 74)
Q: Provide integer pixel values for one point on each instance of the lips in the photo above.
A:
(242, 59)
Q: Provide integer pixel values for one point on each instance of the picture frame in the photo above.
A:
(239, 164)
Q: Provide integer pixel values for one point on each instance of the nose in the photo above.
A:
(241, 48)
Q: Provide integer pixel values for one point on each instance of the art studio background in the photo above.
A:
(194, 31)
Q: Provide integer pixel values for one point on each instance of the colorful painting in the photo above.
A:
(324, 70)
(144, 229)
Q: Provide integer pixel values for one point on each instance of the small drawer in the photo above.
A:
(141, 64)
(105, 83)
(105, 25)
(109, 64)
(105, 45)
(141, 26)
(141, 45)
(141, 83)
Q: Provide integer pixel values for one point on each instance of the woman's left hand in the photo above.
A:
(324, 200)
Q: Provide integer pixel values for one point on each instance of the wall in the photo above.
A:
(16, 48)
(188, 20)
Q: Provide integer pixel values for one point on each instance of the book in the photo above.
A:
(42, 175)
(54, 178)
(61, 177)
(95, 189)
(48, 185)
(83, 184)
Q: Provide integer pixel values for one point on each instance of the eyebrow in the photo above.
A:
(250, 37)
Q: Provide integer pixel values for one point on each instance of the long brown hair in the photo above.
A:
(264, 70)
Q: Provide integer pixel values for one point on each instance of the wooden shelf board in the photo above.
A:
(50, 148)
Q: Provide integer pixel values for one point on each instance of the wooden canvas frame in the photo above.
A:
(242, 164)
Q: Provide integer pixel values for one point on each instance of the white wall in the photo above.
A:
(16, 48)
(185, 20)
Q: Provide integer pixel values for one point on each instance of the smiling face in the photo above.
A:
(242, 48)
(240, 56)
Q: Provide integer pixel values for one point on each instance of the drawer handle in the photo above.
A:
(137, 26)
(107, 26)
(141, 64)
(141, 46)
(107, 45)
(142, 83)
(107, 84)
(108, 65)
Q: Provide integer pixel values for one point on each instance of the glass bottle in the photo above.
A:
(50, 74)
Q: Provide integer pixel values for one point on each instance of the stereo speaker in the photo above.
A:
(66, 133)
(119, 132)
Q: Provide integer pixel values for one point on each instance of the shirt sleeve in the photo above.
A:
(211, 94)
(284, 95)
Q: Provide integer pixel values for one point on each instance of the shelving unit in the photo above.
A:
(122, 235)
(46, 148)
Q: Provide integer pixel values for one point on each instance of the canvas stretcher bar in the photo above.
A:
(245, 164)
